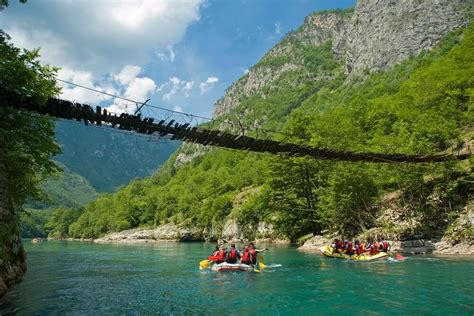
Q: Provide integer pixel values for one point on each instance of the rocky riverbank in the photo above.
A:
(232, 232)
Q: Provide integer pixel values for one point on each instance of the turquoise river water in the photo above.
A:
(143, 279)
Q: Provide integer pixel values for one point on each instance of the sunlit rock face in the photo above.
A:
(382, 33)
(376, 35)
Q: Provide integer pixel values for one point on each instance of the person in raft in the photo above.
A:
(219, 254)
(232, 255)
(337, 246)
(245, 258)
(253, 253)
(373, 247)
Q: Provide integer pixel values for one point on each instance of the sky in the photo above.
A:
(180, 54)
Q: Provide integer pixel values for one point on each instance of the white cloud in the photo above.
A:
(74, 93)
(137, 89)
(116, 31)
(277, 28)
(169, 55)
(208, 84)
(127, 74)
(175, 81)
(177, 108)
(188, 86)
(177, 85)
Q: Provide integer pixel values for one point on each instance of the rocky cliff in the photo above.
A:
(374, 36)
(382, 33)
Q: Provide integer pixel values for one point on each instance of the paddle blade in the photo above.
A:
(204, 264)
(399, 257)
(261, 265)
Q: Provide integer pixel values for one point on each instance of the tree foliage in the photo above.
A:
(26, 138)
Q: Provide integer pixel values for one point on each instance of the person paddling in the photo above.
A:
(253, 253)
(245, 259)
(221, 254)
(233, 255)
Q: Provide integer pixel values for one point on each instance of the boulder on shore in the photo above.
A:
(314, 243)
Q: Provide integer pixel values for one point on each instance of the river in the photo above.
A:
(93, 279)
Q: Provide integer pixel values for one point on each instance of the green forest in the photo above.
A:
(423, 106)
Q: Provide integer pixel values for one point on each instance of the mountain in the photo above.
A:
(63, 190)
(387, 76)
(93, 160)
(109, 158)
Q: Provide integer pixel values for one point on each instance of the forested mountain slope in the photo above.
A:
(98, 153)
(310, 88)
(64, 189)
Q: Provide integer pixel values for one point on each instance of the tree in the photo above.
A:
(26, 145)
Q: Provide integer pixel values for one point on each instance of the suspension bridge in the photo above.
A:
(196, 134)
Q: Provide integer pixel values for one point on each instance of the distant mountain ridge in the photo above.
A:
(109, 158)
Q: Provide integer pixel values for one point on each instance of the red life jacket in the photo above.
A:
(253, 256)
(232, 254)
(221, 255)
(360, 248)
(385, 245)
(350, 246)
(340, 245)
(375, 249)
(245, 257)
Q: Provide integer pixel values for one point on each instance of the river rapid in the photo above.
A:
(163, 278)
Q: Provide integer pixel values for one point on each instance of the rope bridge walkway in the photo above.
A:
(98, 116)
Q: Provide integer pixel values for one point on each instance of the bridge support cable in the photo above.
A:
(98, 116)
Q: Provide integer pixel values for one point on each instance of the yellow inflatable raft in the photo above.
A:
(327, 251)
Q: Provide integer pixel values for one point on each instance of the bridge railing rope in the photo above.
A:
(99, 116)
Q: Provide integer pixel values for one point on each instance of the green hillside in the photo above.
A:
(422, 106)
(97, 153)
(62, 190)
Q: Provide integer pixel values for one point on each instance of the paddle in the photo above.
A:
(205, 263)
(399, 257)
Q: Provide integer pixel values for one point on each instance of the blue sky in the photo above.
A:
(180, 54)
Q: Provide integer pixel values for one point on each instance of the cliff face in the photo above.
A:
(284, 57)
(376, 35)
(382, 33)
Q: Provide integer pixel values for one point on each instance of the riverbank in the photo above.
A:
(173, 233)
